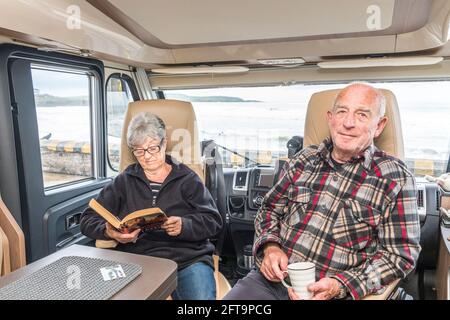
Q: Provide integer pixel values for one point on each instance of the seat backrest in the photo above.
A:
(316, 127)
(181, 130)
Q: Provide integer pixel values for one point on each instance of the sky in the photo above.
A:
(60, 84)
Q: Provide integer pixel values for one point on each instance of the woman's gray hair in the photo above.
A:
(145, 125)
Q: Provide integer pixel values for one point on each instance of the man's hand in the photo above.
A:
(293, 295)
(275, 261)
(112, 233)
(172, 226)
(324, 289)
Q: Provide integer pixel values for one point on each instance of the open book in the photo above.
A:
(145, 219)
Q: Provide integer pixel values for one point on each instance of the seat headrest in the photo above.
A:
(181, 131)
(316, 125)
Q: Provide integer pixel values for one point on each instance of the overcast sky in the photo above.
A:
(60, 84)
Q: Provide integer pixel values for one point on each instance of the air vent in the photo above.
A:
(438, 200)
(421, 201)
(240, 181)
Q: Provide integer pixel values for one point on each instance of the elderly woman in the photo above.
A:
(157, 180)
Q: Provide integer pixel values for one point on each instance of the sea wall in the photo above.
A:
(70, 157)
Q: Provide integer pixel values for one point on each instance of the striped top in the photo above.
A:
(155, 186)
(357, 222)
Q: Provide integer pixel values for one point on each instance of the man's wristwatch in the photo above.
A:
(342, 291)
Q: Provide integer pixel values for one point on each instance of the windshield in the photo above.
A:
(257, 122)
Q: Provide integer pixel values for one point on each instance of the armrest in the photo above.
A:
(5, 257)
(15, 237)
(443, 265)
(385, 295)
(222, 284)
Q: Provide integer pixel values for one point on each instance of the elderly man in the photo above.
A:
(344, 205)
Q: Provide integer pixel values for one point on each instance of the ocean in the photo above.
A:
(244, 126)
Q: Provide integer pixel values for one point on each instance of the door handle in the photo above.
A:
(73, 221)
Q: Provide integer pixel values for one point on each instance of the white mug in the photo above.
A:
(301, 274)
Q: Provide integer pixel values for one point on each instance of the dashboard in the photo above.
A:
(249, 186)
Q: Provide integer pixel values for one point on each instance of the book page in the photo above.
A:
(150, 212)
(104, 213)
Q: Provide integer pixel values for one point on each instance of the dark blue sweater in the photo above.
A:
(182, 194)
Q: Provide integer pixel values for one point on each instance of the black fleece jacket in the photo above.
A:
(182, 194)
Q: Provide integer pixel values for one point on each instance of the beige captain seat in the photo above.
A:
(182, 144)
(390, 140)
(316, 127)
(181, 130)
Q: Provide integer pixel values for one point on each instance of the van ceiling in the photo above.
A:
(176, 24)
(155, 33)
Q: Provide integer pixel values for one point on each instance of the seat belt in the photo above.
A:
(210, 151)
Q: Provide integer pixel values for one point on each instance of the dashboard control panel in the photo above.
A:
(249, 188)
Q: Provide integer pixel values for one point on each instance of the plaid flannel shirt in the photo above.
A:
(357, 222)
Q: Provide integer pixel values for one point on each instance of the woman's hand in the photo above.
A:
(172, 226)
(112, 233)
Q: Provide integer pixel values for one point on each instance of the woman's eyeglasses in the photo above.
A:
(151, 150)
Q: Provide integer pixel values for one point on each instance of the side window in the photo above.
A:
(63, 108)
(120, 91)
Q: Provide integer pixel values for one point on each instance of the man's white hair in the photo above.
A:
(380, 98)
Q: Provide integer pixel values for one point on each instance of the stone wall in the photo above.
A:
(69, 157)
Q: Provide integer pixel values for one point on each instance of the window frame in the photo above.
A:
(94, 113)
(125, 80)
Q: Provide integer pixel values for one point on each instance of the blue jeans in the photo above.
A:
(195, 282)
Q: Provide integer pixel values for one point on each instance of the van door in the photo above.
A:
(57, 105)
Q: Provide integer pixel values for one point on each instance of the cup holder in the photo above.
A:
(237, 204)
